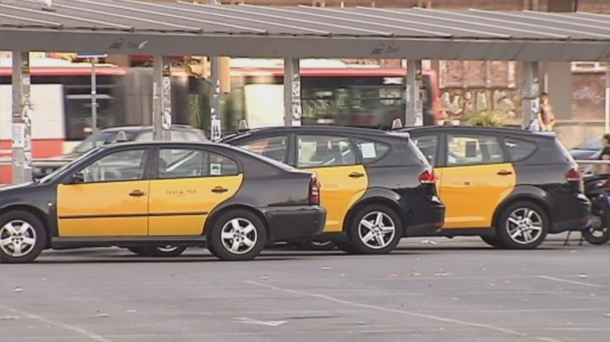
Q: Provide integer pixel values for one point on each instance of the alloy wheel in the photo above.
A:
(17, 238)
(239, 236)
(376, 230)
(524, 226)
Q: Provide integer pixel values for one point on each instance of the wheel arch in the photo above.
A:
(34, 211)
(369, 200)
(236, 206)
(524, 197)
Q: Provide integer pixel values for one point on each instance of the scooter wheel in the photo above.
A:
(598, 233)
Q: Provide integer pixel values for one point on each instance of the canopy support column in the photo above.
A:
(292, 92)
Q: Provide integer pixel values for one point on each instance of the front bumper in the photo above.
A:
(295, 223)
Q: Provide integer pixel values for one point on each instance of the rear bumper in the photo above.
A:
(428, 220)
(295, 223)
(581, 219)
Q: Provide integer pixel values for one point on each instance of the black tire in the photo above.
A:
(492, 241)
(164, 252)
(598, 233)
(258, 236)
(357, 233)
(33, 238)
(538, 218)
(140, 251)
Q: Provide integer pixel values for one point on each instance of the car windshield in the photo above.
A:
(101, 138)
(59, 170)
(591, 145)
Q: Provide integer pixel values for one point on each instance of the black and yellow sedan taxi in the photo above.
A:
(376, 186)
(509, 186)
(147, 195)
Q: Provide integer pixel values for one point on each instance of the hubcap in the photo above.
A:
(376, 230)
(17, 238)
(239, 236)
(524, 226)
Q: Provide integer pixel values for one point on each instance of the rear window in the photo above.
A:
(519, 149)
(371, 151)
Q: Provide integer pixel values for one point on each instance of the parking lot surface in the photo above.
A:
(456, 290)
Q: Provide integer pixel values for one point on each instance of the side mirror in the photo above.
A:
(77, 178)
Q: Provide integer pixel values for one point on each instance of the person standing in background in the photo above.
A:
(546, 115)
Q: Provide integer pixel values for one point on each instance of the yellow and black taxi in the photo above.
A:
(376, 186)
(509, 186)
(148, 195)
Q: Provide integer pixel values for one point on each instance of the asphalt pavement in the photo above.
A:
(455, 290)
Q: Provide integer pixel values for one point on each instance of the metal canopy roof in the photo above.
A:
(183, 28)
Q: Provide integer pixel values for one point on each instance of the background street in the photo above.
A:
(457, 290)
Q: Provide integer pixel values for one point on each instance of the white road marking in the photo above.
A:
(573, 282)
(87, 334)
(257, 322)
(402, 312)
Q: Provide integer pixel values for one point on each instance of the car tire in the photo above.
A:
(239, 229)
(168, 251)
(382, 230)
(140, 251)
(22, 237)
(522, 225)
(493, 241)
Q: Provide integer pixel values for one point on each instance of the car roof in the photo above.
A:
(129, 128)
(513, 131)
(317, 129)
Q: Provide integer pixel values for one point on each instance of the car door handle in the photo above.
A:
(137, 193)
(504, 173)
(356, 174)
(219, 189)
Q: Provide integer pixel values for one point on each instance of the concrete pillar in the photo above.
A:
(607, 111)
(414, 94)
(162, 98)
(558, 84)
(530, 99)
(21, 119)
(292, 92)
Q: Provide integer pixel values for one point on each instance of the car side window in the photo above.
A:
(519, 149)
(473, 150)
(427, 144)
(118, 166)
(322, 151)
(274, 148)
(194, 163)
(371, 151)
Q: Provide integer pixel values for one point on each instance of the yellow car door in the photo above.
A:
(474, 180)
(190, 183)
(343, 181)
(107, 198)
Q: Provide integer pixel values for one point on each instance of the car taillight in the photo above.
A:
(314, 191)
(427, 177)
(573, 175)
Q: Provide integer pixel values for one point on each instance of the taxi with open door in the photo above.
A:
(376, 186)
(509, 186)
(148, 195)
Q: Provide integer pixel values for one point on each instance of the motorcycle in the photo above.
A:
(598, 192)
